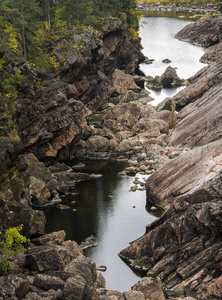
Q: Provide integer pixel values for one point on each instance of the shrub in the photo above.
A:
(11, 245)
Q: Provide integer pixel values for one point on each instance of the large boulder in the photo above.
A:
(170, 78)
(45, 258)
(151, 288)
(123, 82)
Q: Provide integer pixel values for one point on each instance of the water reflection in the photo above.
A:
(107, 209)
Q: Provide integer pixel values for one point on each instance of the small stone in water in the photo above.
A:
(133, 188)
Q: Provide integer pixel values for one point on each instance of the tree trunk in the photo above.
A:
(23, 30)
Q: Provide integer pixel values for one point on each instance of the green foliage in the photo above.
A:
(11, 245)
(27, 27)
(9, 86)
(198, 2)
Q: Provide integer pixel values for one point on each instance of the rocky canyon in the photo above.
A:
(94, 103)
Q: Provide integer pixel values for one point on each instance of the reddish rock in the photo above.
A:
(122, 82)
(151, 288)
(201, 83)
(186, 175)
(212, 54)
(204, 32)
(201, 121)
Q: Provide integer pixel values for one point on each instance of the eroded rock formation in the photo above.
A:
(55, 269)
(183, 247)
(205, 32)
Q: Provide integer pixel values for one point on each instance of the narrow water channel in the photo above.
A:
(105, 207)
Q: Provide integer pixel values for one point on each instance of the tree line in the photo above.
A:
(25, 23)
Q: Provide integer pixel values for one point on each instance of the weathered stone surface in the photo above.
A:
(122, 82)
(47, 295)
(97, 143)
(74, 288)
(204, 32)
(13, 287)
(205, 79)
(134, 295)
(45, 258)
(47, 282)
(100, 281)
(84, 267)
(73, 247)
(170, 77)
(151, 288)
(192, 249)
(187, 174)
(207, 111)
(212, 54)
(57, 237)
(108, 295)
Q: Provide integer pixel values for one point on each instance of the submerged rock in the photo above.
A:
(88, 243)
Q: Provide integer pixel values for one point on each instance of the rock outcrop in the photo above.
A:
(212, 54)
(184, 244)
(53, 110)
(55, 269)
(182, 249)
(200, 122)
(168, 79)
(205, 32)
(201, 83)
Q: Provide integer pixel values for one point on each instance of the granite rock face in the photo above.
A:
(184, 245)
(52, 108)
(207, 78)
(212, 54)
(206, 111)
(205, 32)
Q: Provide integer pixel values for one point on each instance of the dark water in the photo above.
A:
(105, 207)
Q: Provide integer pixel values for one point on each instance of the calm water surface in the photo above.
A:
(106, 208)
(158, 41)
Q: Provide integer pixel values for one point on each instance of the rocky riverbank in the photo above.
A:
(177, 7)
(183, 247)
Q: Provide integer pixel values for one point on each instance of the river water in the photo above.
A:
(158, 41)
(105, 207)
